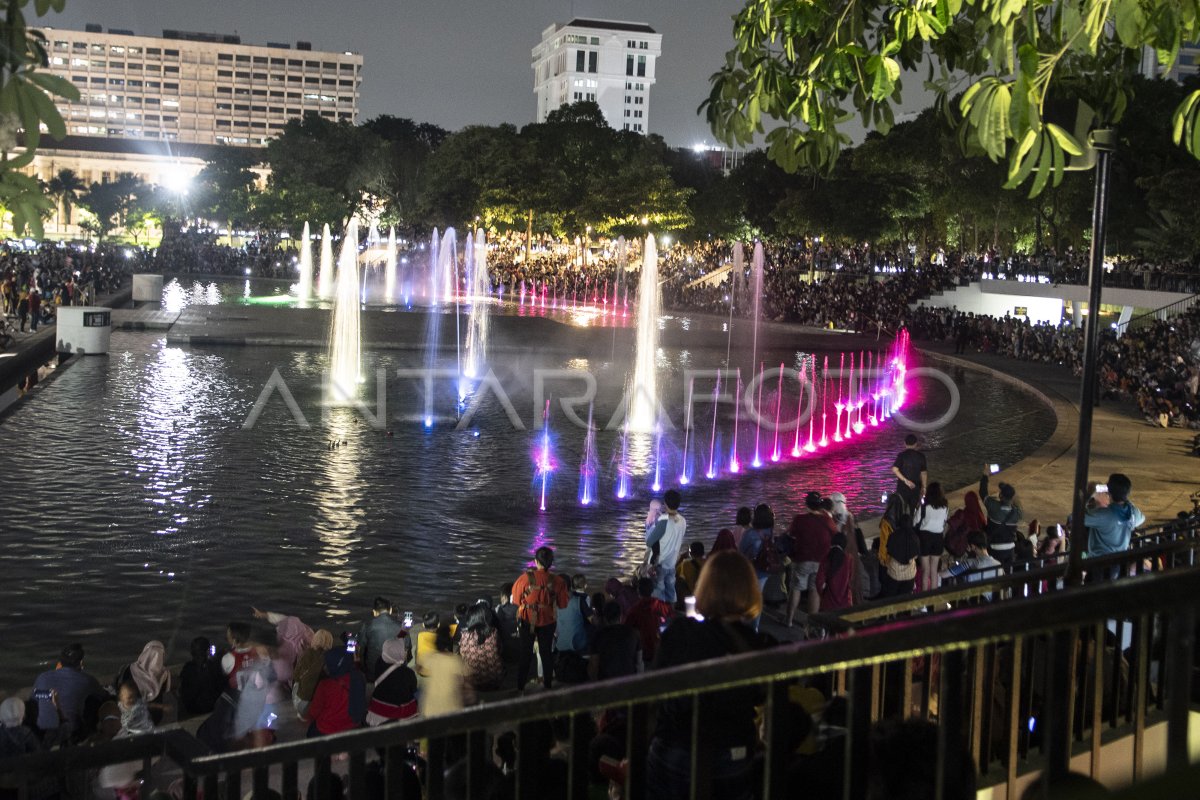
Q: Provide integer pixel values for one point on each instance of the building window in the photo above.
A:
(225, 57)
(629, 65)
(592, 56)
(171, 53)
(579, 57)
(641, 66)
(224, 73)
(242, 59)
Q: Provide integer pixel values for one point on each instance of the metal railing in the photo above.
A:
(1016, 687)
(1157, 315)
(1157, 549)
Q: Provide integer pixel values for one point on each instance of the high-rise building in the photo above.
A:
(157, 106)
(609, 62)
(195, 87)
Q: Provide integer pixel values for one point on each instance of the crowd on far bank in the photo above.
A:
(701, 591)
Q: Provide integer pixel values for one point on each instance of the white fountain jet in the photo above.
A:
(325, 276)
(481, 293)
(389, 270)
(304, 291)
(345, 338)
(643, 401)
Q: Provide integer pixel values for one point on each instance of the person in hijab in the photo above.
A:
(308, 670)
(395, 695)
(15, 738)
(340, 700)
(835, 581)
(620, 593)
(846, 525)
(976, 518)
(725, 541)
(150, 675)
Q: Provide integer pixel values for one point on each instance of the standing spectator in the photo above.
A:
(911, 471)
(741, 524)
(931, 527)
(506, 621)
(381, 627)
(1110, 528)
(1003, 515)
(616, 648)
(847, 525)
(538, 594)
(668, 533)
(35, 307)
(812, 532)
(61, 720)
(647, 616)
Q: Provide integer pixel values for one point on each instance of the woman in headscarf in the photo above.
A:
(395, 696)
(725, 541)
(150, 672)
(15, 738)
(308, 669)
(976, 518)
(291, 638)
(846, 524)
(340, 700)
(620, 593)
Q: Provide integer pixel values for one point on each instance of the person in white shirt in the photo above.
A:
(667, 533)
(931, 525)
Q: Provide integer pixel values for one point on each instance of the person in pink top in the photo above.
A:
(834, 576)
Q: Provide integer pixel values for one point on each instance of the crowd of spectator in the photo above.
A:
(692, 598)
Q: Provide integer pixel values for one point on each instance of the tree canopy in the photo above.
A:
(997, 67)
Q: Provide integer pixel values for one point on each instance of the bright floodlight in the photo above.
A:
(177, 179)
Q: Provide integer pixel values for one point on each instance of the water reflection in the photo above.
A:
(340, 507)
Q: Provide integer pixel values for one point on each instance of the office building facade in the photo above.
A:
(606, 61)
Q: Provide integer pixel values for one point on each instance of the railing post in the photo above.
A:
(1060, 704)
(636, 749)
(778, 716)
(858, 732)
(951, 700)
(532, 752)
(577, 771)
(1181, 644)
(435, 770)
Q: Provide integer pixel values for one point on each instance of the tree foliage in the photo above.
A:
(26, 105)
(996, 65)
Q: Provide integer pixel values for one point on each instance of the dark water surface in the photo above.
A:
(138, 507)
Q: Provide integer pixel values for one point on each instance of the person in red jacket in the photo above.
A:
(834, 576)
(647, 616)
(340, 700)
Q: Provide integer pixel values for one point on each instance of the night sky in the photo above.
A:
(451, 62)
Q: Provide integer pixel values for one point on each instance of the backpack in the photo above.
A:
(768, 560)
(544, 598)
(956, 533)
(903, 545)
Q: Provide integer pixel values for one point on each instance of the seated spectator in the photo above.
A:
(151, 676)
(135, 714)
(479, 647)
(309, 669)
(688, 569)
(978, 564)
(620, 593)
(729, 598)
(62, 720)
(201, 680)
(340, 700)
(616, 648)
(15, 738)
(395, 695)
(834, 576)
(724, 541)
(427, 639)
(446, 689)
(381, 627)
(506, 621)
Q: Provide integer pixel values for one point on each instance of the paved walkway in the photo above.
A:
(1157, 460)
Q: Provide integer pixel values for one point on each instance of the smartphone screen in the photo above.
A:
(408, 619)
(1101, 488)
(351, 645)
(41, 694)
(212, 650)
(994, 468)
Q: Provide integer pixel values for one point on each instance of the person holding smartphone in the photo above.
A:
(61, 721)
(1111, 527)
